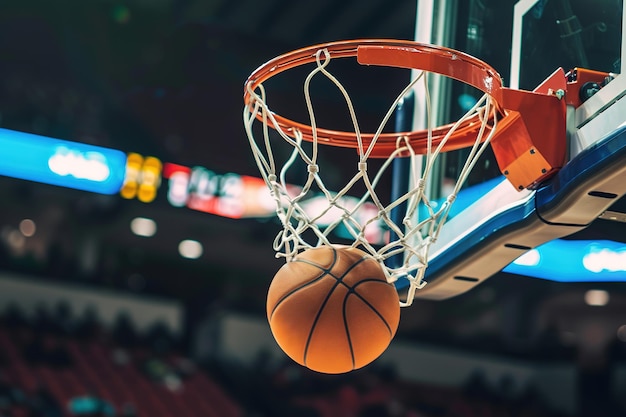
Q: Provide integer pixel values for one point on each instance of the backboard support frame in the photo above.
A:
(505, 223)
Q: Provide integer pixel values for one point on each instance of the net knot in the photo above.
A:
(322, 61)
(362, 166)
(451, 198)
(378, 258)
(421, 184)
(271, 178)
(313, 168)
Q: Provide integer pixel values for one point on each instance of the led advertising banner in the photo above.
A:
(229, 195)
(59, 162)
(586, 261)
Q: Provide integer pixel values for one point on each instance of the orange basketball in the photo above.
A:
(332, 310)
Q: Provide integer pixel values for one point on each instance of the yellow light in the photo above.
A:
(143, 177)
(131, 179)
(150, 179)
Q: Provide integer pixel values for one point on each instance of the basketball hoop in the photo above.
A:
(493, 114)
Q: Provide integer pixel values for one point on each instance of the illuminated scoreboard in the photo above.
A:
(229, 195)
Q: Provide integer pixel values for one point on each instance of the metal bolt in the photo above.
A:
(543, 170)
(587, 90)
(532, 151)
(506, 172)
(560, 93)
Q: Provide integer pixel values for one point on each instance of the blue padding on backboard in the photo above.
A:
(589, 162)
(501, 222)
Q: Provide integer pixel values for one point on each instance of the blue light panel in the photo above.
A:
(59, 162)
(574, 261)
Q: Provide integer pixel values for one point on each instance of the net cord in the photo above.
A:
(414, 236)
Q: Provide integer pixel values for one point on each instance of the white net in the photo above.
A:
(412, 232)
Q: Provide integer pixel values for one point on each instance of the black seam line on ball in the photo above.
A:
(317, 316)
(306, 284)
(326, 271)
(345, 325)
(323, 272)
(339, 280)
(353, 291)
(347, 271)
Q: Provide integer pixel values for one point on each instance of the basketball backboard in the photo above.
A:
(494, 224)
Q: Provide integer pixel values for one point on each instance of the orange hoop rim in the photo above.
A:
(390, 53)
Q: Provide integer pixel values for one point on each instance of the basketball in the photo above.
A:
(332, 310)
